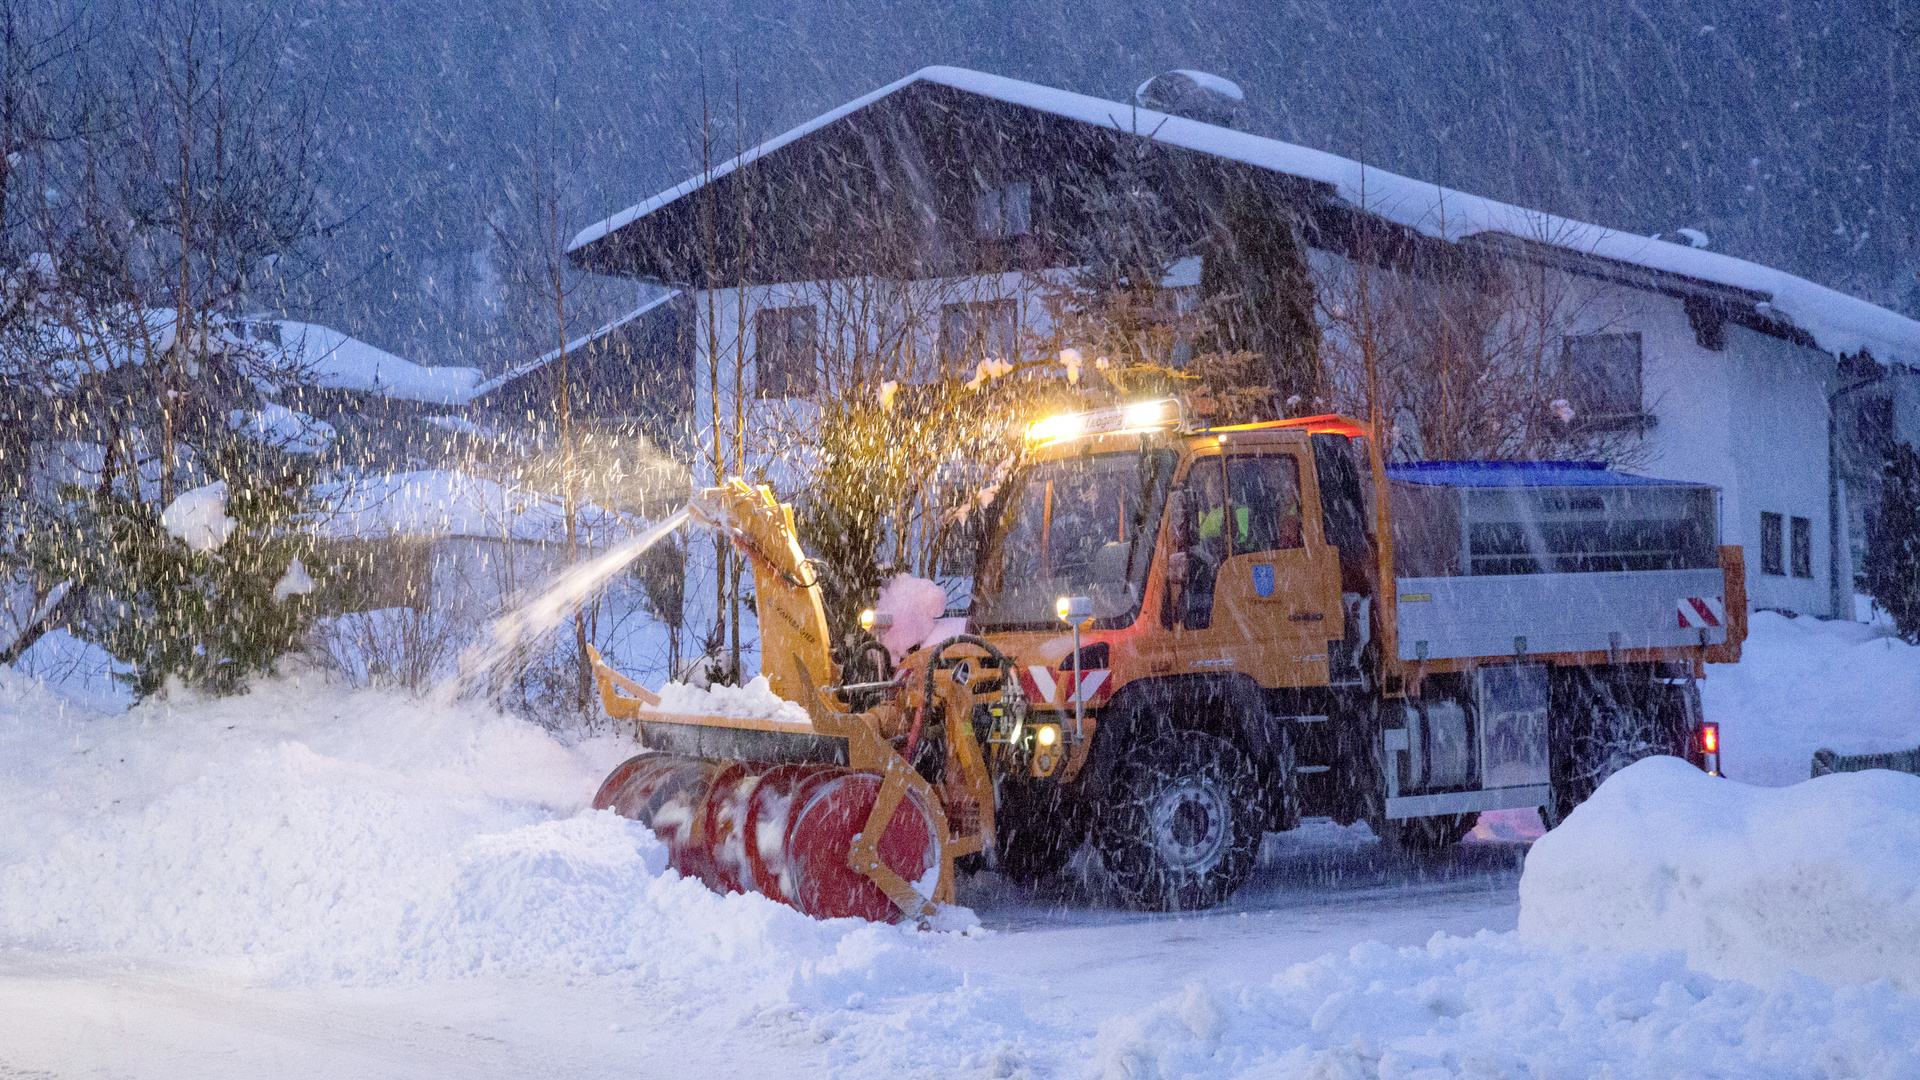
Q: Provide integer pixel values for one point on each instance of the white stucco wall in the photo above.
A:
(1751, 419)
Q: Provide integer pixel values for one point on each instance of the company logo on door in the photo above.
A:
(1263, 580)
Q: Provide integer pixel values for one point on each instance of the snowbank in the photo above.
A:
(753, 701)
(1497, 1006)
(283, 428)
(306, 833)
(1821, 878)
(1803, 684)
(310, 835)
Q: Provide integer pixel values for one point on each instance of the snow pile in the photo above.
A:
(1822, 878)
(1803, 684)
(1496, 1006)
(283, 429)
(199, 518)
(307, 834)
(753, 701)
(295, 582)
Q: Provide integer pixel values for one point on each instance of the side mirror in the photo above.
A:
(1178, 518)
(1177, 568)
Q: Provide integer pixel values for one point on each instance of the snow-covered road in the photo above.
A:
(103, 1017)
(1321, 890)
(1071, 963)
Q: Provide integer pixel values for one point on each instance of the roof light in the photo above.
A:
(1151, 413)
(1064, 426)
(1164, 412)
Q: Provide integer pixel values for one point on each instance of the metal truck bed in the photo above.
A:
(1504, 558)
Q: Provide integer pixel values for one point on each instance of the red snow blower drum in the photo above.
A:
(784, 831)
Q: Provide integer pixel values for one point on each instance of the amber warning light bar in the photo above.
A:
(1132, 416)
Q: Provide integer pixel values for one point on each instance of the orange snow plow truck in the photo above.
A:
(1182, 637)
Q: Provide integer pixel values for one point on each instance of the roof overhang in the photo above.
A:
(1768, 299)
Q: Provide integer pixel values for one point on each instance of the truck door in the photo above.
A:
(1263, 589)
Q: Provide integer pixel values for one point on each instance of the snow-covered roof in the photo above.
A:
(1839, 323)
(319, 354)
(436, 503)
(339, 362)
(573, 346)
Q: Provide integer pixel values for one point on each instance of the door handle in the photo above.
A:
(1311, 616)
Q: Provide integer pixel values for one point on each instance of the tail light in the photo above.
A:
(1710, 748)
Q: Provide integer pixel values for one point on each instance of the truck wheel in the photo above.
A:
(1037, 828)
(1610, 731)
(1423, 835)
(1181, 829)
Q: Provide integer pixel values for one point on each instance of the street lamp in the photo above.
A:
(1076, 611)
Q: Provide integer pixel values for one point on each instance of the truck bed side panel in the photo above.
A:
(1482, 616)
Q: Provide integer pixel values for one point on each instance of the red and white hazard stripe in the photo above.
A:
(1702, 611)
(1045, 684)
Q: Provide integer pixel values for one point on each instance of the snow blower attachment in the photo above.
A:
(834, 815)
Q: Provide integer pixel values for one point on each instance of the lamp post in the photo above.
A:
(1076, 611)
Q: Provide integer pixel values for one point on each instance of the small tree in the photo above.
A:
(1893, 543)
(210, 614)
(160, 221)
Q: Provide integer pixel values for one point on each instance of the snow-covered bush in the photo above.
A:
(403, 648)
(205, 590)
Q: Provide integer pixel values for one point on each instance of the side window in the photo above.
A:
(783, 352)
(1266, 503)
(1602, 376)
(979, 330)
(1771, 561)
(1802, 547)
(1004, 211)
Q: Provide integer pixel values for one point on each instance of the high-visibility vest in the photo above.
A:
(1242, 523)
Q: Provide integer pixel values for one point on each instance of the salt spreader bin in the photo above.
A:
(1552, 557)
(1182, 636)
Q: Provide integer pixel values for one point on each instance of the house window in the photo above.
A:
(1004, 211)
(1602, 375)
(1802, 547)
(1771, 561)
(981, 330)
(783, 352)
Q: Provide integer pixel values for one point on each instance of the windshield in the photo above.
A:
(1081, 526)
